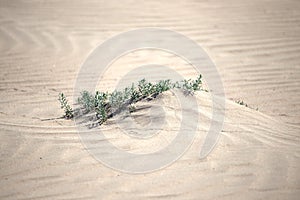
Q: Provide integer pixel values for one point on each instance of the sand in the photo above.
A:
(255, 46)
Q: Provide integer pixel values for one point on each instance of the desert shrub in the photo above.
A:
(190, 86)
(100, 103)
(163, 85)
(64, 104)
(116, 99)
(86, 100)
(241, 102)
(131, 108)
(106, 105)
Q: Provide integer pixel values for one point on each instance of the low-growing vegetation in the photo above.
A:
(105, 105)
(241, 102)
(64, 104)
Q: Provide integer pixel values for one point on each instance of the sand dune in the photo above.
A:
(255, 46)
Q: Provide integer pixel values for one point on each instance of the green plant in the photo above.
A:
(105, 105)
(64, 104)
(131, 108)
(100, 99)
(241, 102)
(101, 114)
(163, 85)
(86, 100)
(145, 88)
(116, 99)
(190, 86)
(100, 103)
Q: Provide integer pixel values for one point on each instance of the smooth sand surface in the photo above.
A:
(255, 46)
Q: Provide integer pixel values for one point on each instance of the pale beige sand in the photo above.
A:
(256, 48)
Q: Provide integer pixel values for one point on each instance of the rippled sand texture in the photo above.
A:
(255, 46)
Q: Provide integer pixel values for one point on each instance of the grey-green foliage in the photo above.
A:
(134, 94)
(190, 86)
(105, 104)
(100, 103)
(241, 102)
(145, 88)
(131, 108)
(163, 85)
(86, 100)
(64, 104)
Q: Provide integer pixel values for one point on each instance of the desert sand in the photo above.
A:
(255, 46)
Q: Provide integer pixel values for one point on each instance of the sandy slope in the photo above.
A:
(256, 47)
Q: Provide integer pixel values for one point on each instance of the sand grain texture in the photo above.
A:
(255, 46)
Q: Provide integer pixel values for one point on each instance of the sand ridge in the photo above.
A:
(255, 46)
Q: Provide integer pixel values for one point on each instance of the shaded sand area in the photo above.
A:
(255, 46)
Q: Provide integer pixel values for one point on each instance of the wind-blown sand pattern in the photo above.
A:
(255, 46)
